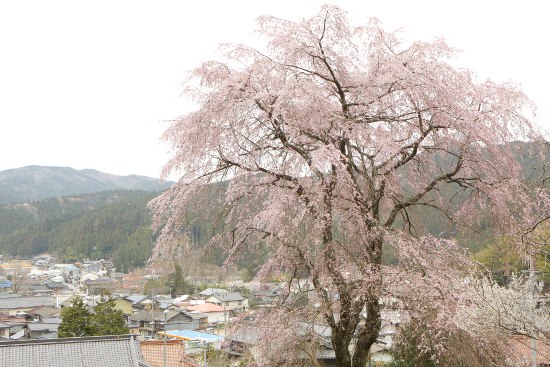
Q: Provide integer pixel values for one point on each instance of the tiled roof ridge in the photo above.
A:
(70, 340)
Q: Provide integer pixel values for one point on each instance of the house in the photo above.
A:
(124, 305)
(140, 302)
(165, 302)
(94, 266)
(14, 305)
(167, 353)
(42, 312)
(43, 330)
(194, 320)
(216, 314)
(151, 322)
(42, 260)
(4, 331)
(232, 301)
(16, 326)
(57, 287)
(184, 300)
(97, 351)
(88, 276)
(210, 291)
(101, 284)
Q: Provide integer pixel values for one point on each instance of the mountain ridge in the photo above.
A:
(36, 182)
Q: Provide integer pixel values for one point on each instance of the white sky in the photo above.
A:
(88, 84)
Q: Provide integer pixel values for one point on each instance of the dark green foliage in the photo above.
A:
(177, 283)
(78, 321)
(106, 320)
(75, 320)
(114, 224)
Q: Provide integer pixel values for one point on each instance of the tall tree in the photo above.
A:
(75, 320)
(106, 320)
(177, 283)
(331, 139)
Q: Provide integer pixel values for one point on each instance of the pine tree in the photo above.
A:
(106, 320)
(75, 321)
(177, 283)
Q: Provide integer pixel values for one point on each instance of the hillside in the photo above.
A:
(109, 224)
(38, 182)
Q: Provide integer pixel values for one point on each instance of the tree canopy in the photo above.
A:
(75, 320)
(330, 140)
(104, 319)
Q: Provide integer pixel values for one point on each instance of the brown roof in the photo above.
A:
(153, 353)
(206, 307)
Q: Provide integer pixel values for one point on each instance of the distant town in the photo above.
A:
(34, 292)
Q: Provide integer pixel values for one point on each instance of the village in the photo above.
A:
(33, 294)
(177, 330)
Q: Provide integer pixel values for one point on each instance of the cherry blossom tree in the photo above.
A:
(329, 141)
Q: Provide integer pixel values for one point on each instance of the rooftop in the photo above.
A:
(205, 308)
(120, 351)
(24, 302)
(228, 296)
(210, 291)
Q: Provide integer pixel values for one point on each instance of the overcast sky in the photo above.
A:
(91, 84)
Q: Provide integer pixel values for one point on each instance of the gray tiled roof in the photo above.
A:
(195, 315)
(137, 298)
(24, 302)
(38, 326)
(112, 351)
(210, 291)
(229, 296)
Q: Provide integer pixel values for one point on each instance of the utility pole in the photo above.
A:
(204, 348)
(152, 314)
(532, 280)
(164, 351)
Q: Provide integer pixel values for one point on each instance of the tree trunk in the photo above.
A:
(368, 335)
(364, 338)
(340, 343)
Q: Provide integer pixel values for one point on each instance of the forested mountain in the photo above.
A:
(115, 224)
(109, 224)
(38, 182)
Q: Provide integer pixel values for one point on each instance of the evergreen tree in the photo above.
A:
(75, 320)
(106, 320)
(177, 283)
